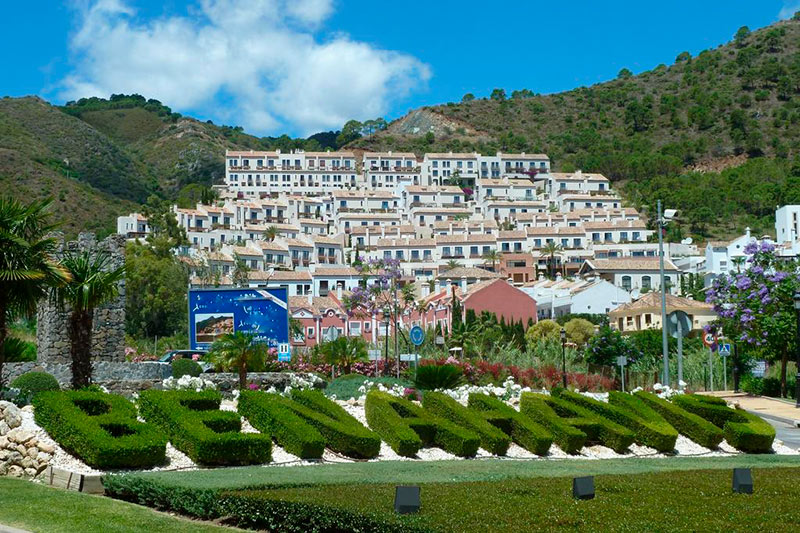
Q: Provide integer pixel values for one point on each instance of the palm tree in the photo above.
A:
(551, 249)
(493, 256)
(27, 266)
(344, 351)
(238, 351)
(451, 264)
(94, 281)
(270, 233)
(738, 261)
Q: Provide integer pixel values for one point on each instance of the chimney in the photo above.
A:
(451, 228)
(383, 231)
(310, 299)
(747, 232)
(463, 284)
(339, 291)
(424, 290)
(483, 227)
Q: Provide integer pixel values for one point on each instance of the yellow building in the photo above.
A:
(645, 313)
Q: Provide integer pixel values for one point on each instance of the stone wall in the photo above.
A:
(108, 335)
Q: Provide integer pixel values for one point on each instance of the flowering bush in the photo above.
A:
(187, 382)
(134, 356)
(394, 390)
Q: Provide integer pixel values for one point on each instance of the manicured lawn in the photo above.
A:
(445, 471)
(666, 501)
(35, 507)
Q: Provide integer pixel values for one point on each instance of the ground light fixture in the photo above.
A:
(583, 488)
(742, 481)
(797, 351)
(406, 499)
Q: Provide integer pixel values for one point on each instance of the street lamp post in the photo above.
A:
(386, 315)
(797, 352)
(664, 340)
(564, 357)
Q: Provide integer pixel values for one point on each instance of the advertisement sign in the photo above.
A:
(263, 313)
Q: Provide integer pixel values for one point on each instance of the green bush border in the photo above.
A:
(407, 427)
(568, 437)
(493, 439)
(524, 431)
(695, 427)
(78, 421)
(198, 428)
(598, 429)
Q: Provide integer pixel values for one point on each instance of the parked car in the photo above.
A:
(197, 355)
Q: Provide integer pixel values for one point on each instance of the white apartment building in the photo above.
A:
(633, 274)
(445, 168)
(787, 223)
(504, 188)
(390, 170)
(513, 165)
(576, 182)
(133, 226)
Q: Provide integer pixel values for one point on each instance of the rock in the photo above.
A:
(3, 469)
(28, 408)
(33, 452)
(46, 447)
(30, 472)
(3, 442)
(12, 416)
(15, 471)
(22, 450)
(4, 455)
(43, 457)
(20, 436)
(4, 429)
(26, 462)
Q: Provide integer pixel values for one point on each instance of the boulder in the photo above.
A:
(12, 416)
(20, 436)
(22, 450)
(46, 447)
(33, 452)
(3, 442)
(15, 471)
(43, 457)
(4, 428)
(31, 472)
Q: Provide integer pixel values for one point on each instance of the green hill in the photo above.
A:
(666, 132)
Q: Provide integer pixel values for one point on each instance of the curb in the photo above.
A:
(791, 421)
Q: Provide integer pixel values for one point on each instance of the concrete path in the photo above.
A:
(9, 529)
(790, 435)
(769, 408)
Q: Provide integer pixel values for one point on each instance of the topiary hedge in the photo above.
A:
(272, 414)
(650, 429)
(185, 367)
(407, 427)
(522, 430)
(565, 435)
(197, 427)
(492, 438)
(101, 429)
(744, 431)
(693, 426)
(597, 428)
(31, 383)
(342, 432)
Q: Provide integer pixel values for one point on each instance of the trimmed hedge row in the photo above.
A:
(101, 429)
(492, 438)
(197, 427)
(262, 510)
(693, 426)
(744, 431)
(272, 414)
(650, 428)
(597, 428)
(343, 433)
(568, 437)
(407, 427)
(530, 435)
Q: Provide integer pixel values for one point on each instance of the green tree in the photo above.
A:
(551, 250)
(741, 36)
(155, 295)
(579, 330)
(343, 352)
(468, 97)
(237, 352)
(542, 330)
(350, 132)
(493, 256)
(498, 95)
(241, 272)
(27, 267)
(271, 233)
(624, 74)
(638, 115)
(94, 281)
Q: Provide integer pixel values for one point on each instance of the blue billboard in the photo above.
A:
(260, 312)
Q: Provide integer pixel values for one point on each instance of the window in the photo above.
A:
(626, 283)
(355, 329)
(459, 251)
(646, 282)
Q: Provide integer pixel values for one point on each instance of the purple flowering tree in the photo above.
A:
(379, 293)
(756, 307)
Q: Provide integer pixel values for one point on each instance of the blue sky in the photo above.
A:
(300, 66)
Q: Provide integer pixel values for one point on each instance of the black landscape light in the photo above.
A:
(406, 499)
(583, 488)
(742, 481)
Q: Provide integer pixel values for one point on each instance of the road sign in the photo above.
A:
(709, 339)
(374, 355)
(622, 360)
(439, 340)
(284, 354)
(408, 357)
(679, 323)
(416, 335)
(724, 350)
(759, 369)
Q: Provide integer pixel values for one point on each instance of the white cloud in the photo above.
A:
(789, 9)
(263, 56)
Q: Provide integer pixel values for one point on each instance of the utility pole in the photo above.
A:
(664, 340)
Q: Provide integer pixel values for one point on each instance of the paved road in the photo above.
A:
(788, 434)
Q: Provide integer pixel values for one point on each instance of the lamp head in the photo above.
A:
(563, 334)
(669, 214)
(796, 299)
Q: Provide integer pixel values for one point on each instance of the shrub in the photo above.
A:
(492, 438)
(101, 429)
(34, 382)
(407, 427)
(694, 427)
(185, 367)
(597, 428)
(649, 428)
(16, 350)
(522, 430)
(542, 330)
(744, 431)
(272, 414)
(579, 330)
(566, 436)
(196, 427)
(343, 433)
(432, 377)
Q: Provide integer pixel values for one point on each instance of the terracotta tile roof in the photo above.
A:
(505, 182)
(652, 300)
(488, 223)
(336, 271)
(572, 176)
(515, 234)
(432, 189)
(297, 243)
(251, 153)
(219, 256)
(323, 239)
(387, 155)
(406, 243)
(245, 251)
(467, 272)
(311, 222)
(451, 155)
(363, 194)
(318, 305)
(465, 238)
(327, 154)
(615, 224)
(630, 264)
(523, 155)
(272, 245)
(280, 275)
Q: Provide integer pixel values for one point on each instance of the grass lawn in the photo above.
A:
(445, 471)
(699, 500)
(36, 507)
